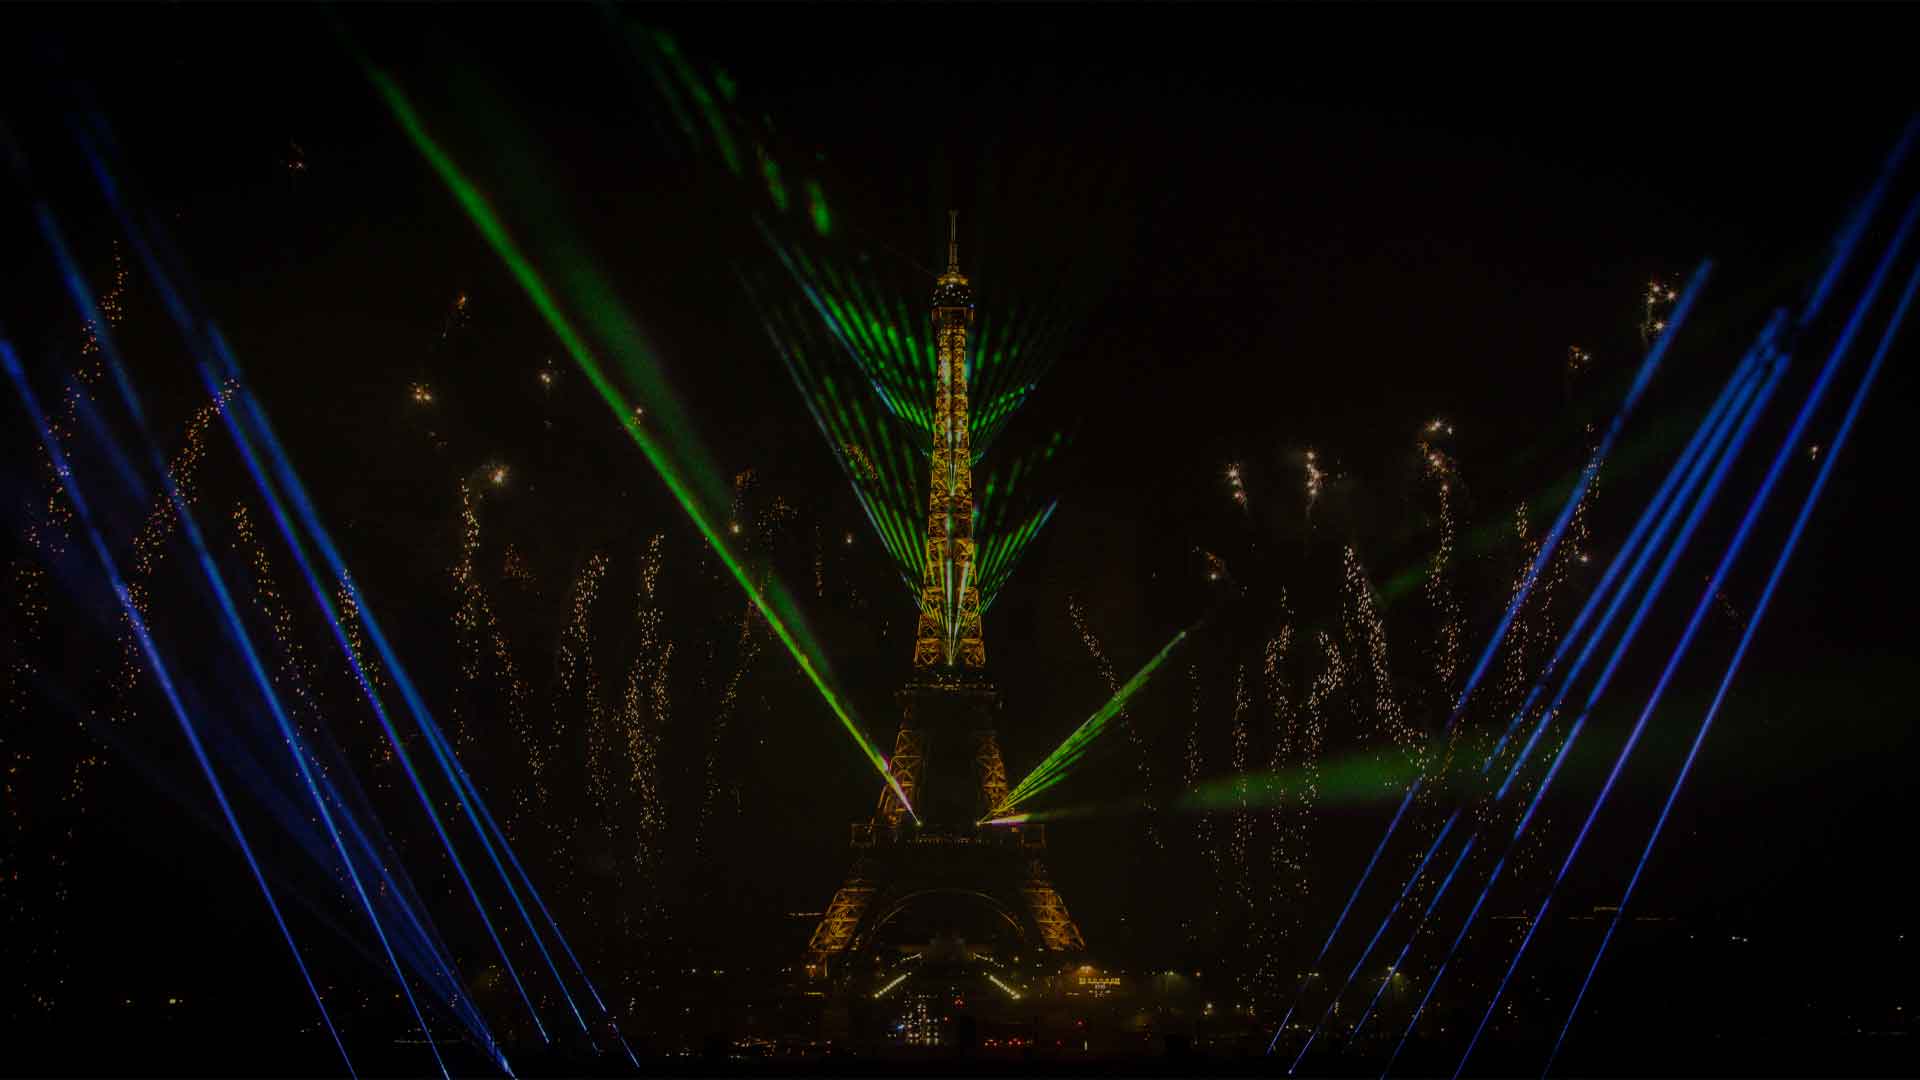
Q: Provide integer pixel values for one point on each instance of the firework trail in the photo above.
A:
(514, 568)
(34, 945)
(367, 672)
(1241, 838)
(1656, 310)
(1439, 583)
(1237, 487)
(149, 547)
(1534, 626)
(1287, 850)
(577, 679)
(1078, 613)
(1316, 481)
(746, 649)
(296, 680)
(478, 633)
(642, 716)
(644, 712)
(47, 532)
(1191, 779)
(1331, 680)
(112, 306)
(1366, 634)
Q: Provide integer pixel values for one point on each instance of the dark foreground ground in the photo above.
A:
(1885, 1056)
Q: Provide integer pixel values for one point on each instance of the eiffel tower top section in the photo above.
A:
(947, 635)
(950, 290)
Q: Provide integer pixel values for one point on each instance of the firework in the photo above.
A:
(1216, 566)
(1367, 632)
(1287, 850)
(479, 633)
(1657, 309)
(1446, 608)
(458, 315)
(577, 678)
(149, 547)
(1240, 839)
(366, 666)
(1316, 480)
(515, 568)
(112, 307)
(644, 710)
(1078, 615)
(296, 678)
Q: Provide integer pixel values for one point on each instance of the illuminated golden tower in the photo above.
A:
(948, 634)
(946, 754)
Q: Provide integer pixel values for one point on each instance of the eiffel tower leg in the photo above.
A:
(1058, 932)
(835, 932)
(909, 749)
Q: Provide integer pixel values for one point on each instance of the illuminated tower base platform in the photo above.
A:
(947, 760)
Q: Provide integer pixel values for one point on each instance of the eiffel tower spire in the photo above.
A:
(948, 633)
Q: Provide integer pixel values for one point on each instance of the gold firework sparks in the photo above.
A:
(1365, 628)
(1104, 666)
(478, 633)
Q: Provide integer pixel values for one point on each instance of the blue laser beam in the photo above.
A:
(1375, 940)
(1857, 225)
(1744, 410)
(1400, 959)
(1321, 955)
(1746, 639)
(203, 338)
(84, 300)
(1681, 310)
(1787, 448)
(1752, 412)
(430, 956)
(1645, 375)
(464, 787)
(161, 676)
(1706, 436)
(1625, 555)
(1442, 970)
(1652, 594)
(206, 338)
(302, 506)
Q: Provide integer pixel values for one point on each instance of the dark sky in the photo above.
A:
(1292, 226)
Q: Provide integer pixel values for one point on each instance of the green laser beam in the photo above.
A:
(1056, 765)
(1352, 780)
(474, 203)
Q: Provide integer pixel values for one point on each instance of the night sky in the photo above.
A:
(1277, 229)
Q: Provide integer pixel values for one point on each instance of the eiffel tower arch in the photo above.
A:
(947, 760)
(946, 754)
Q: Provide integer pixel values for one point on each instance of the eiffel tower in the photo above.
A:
(946, 757)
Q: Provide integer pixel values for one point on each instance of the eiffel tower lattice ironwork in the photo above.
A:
(946, 755)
